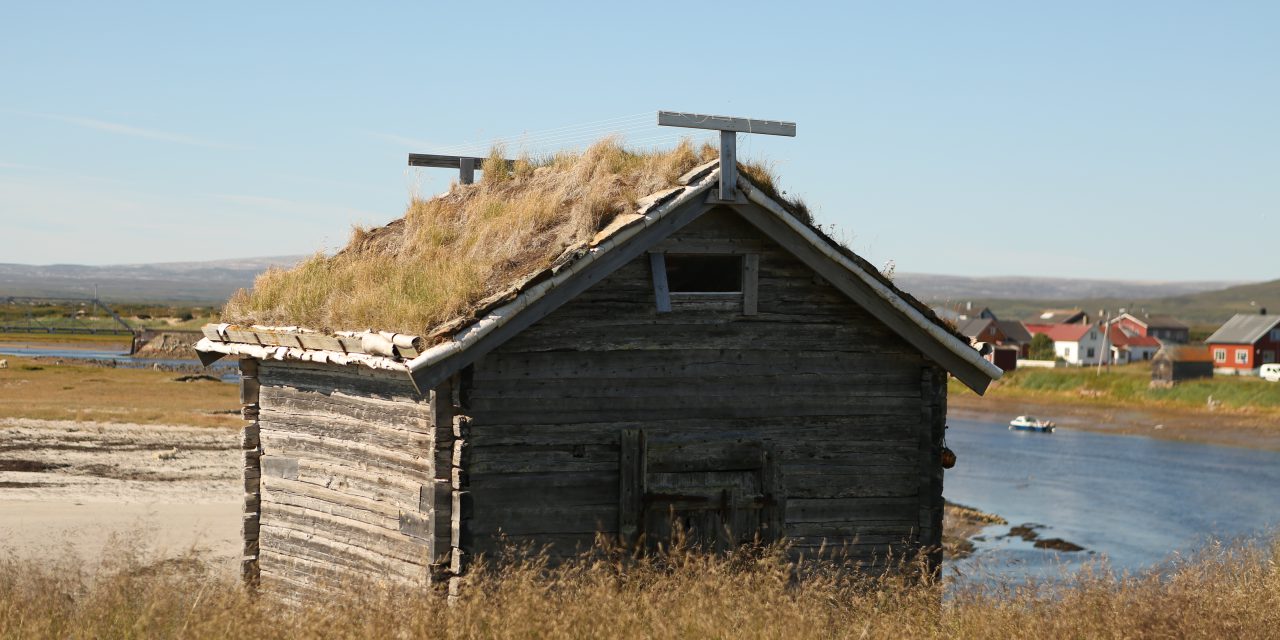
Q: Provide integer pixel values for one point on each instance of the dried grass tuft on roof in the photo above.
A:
(449, 253)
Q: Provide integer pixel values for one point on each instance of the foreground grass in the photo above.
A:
(1224, 592)
(1129, 385)
(42, 390)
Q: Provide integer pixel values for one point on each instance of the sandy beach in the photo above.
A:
(74, 485)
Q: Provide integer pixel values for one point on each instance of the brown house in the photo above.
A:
(719, 362)
(1174, 364)
(1010, 337)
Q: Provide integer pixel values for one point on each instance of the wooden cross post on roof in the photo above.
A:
(729, 127)
(466, 165)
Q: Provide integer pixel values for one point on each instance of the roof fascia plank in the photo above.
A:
(844, 277)
(431, 369)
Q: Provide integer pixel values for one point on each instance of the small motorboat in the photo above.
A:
(1031, 423)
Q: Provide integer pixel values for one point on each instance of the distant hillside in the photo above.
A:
(192, 282)
(959, 289)
(1204, 308)
(1014, 297)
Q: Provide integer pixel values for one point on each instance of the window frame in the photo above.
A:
(669, 301)
(1219, 354)
(1242, 356)
(738, 264)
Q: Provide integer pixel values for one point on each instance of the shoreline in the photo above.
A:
(81, 345)
(960, 524)
(1224, 427)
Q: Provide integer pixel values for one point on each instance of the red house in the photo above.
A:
(1128, 345)
(1166, 329)
(1245, 343)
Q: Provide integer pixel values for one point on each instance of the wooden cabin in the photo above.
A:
(717, 363)
(1173, 364)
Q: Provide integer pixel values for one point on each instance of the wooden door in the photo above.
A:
(715, 494)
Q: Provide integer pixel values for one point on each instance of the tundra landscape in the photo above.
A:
(521, 320)
(123, 477)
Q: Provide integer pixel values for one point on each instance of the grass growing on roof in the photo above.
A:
(450, 252)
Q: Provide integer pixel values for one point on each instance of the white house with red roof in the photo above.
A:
(1078, 344)
(1128, 345)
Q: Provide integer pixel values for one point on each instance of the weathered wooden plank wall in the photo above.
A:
(846, 406)
(348, 476)
(252, 470)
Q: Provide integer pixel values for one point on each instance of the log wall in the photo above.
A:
(851, 413)
(348, 476)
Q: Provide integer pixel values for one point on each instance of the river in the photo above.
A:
(1132, 499)
(225, 369)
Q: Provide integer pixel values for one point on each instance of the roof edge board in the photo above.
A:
(965, 352)
(500, 317)
(211, 351)
(497, 320)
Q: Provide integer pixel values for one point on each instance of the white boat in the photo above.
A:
(1031, 423)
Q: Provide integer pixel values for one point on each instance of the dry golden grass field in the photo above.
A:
(1223, 593)
(43, 390)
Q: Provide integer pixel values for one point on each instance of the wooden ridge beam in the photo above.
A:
(729, 128)
(726, 123)
(466, 165)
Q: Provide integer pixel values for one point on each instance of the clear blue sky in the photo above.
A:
(1135, 140)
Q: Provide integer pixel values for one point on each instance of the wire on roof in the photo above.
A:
(636, 129)
(581, 130)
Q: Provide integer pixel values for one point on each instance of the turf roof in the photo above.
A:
(449, 253)
(437, 268)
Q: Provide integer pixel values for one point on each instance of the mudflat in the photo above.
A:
(67, 485)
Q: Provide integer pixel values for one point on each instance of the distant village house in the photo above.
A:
(1076, 344)
(1128, 346)
(1244, 343)
(1058, 316)
(1009, 338)
(1166, 329)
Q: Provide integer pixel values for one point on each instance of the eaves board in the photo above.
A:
(609, 260)
(971, 374)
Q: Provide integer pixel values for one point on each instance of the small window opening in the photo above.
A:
(704, 273)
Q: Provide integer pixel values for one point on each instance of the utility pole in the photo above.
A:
(1106, 340)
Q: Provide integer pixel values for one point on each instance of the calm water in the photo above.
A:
(1137, 500)
(224, 369)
